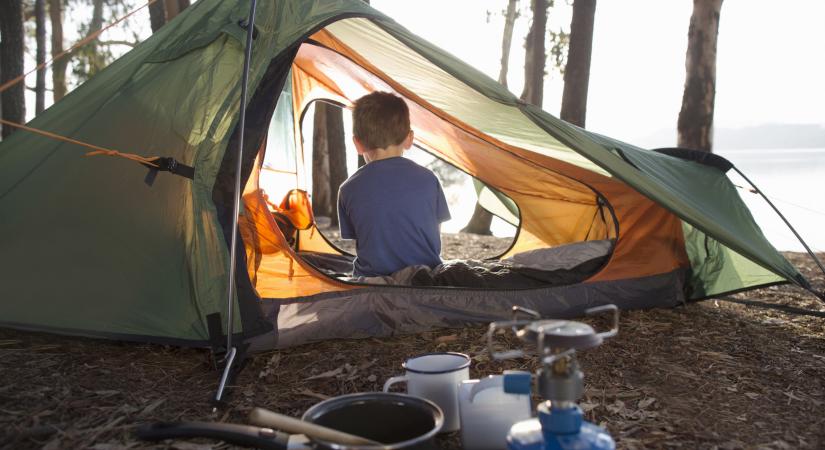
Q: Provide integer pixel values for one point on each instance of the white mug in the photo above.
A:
(487, 412)
(436, 377)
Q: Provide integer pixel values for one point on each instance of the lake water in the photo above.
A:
(794, 180)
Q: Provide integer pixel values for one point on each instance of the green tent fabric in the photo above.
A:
(92, 246)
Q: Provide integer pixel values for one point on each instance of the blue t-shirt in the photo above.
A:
(392, 208)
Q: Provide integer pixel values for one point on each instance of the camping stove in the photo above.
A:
(559, 423)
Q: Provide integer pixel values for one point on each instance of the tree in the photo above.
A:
(329, 164)
(11, 63)
(482, 219)
(59, 64)
(535, 56)
(577, 70)
(696, 117)
(507, 39)
(163, 11)
(40, 56)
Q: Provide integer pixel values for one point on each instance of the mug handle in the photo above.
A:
(393, 380)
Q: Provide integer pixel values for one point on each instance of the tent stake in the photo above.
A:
(230, 290)
(804, 244)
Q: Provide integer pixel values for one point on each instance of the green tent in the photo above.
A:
(107, 247)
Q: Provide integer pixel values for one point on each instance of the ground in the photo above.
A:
(712, 374)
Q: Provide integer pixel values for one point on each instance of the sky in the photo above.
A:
(770, 64)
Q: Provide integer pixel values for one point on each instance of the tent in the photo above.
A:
(108, 247)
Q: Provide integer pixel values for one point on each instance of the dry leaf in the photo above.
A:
(312, 394)
(328, 374)
(152, 406)
(446, 339)
(646, 402)
(751, 395)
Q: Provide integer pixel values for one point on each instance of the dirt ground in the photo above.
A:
(713, 374)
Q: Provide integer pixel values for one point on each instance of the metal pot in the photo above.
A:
(401, 421)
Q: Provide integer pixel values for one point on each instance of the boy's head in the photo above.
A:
(381, 120)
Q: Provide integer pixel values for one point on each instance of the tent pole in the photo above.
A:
(230, 289)
(804, 244)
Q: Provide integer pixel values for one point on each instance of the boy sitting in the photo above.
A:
(391, 206)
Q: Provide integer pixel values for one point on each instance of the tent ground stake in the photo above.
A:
(230, 360)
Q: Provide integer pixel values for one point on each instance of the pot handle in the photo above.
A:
(393, 380)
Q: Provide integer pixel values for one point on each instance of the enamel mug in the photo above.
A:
(436, 377)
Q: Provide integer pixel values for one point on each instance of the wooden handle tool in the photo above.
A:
(266, 418)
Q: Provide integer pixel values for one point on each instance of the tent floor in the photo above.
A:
(698, 376)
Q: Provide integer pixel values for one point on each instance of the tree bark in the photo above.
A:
(507, 40)
(172, 9)
(182, 4)
(96, 62)
(59, 64)
(535, 57)
(40, 56)
(481, 219)
(13, 102)
(321, 195)
(157, 15)
(329, 160)
(577, 71)
(695, 127)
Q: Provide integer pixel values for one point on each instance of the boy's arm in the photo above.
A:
(344, 223)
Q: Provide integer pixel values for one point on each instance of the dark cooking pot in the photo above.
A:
(398, 421)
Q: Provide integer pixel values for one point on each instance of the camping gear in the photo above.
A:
(399, 421)
(487, 412)
(243, 435)
(263, 417)
(560, 422)
(436, 377)
(231, 350)
(107, 247)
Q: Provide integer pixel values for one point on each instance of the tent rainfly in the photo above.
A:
(108, 247)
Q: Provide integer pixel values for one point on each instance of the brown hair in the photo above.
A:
(380, 119)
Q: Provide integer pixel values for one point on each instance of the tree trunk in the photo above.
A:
(337, 154)
(535, 56)
(157, 15)
(329, 160)
(96, 62)
(506, 41)
(172, 9)
(696, 117)
(59, 64)
(40, 56)
(480, 222)
(182, 4)
(482, 219)
(321, 195)
(577, 72)
(11, 63)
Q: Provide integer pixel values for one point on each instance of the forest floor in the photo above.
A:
(712, 374)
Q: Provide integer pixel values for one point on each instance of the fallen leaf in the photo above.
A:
(312, 394)
(152, 406)
(646, 402)
(328, 374)
(446, 339)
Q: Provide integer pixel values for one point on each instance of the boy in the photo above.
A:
(391, 206)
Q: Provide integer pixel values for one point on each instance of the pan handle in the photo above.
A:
(244, 435)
